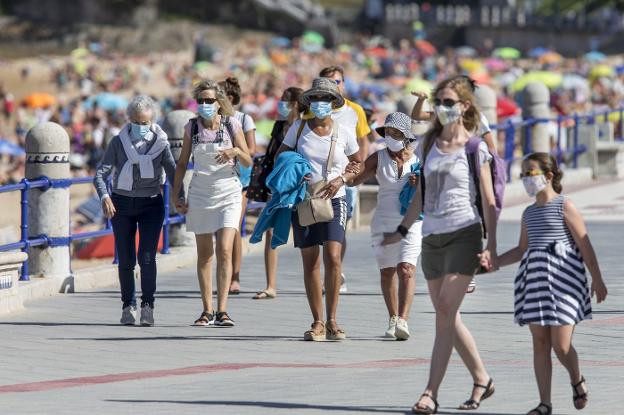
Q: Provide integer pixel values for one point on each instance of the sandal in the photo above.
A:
(223, 320)
(576, 397)
(471, 404)
(315, 335)
(235, 290)
(337, 334)
(206, 319)
(264, 295)
(542, 409)
(426, 410)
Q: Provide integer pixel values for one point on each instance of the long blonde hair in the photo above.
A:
(222, 99)
(464, 88)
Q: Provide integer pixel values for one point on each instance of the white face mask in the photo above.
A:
(447, 115)
(534, 184)
(394, 145)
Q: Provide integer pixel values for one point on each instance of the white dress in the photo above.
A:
(214, 195)
(388, 216)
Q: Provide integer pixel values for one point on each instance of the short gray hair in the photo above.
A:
(142, 103)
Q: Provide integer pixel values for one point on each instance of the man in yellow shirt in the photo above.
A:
(352, 115)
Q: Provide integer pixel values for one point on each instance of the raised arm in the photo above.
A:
(417, 112)
(575, 223)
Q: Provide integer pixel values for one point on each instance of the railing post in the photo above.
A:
(24, 227)
(575, 137)
(621, 135)
(510, 146)
(536, 106)
(559, 154)
(47, 155)
(173, 125)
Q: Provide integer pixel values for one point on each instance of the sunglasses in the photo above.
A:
(531, 173)
(206, 100)
(338, 81)
(325, 98)
(447, 102)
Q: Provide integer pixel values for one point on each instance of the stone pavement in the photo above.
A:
(66, 355)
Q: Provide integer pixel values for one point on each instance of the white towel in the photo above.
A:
(146, 166)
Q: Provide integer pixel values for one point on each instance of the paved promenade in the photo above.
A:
(66, 355)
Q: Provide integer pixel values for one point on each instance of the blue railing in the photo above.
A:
(44, 183)
(511, 129)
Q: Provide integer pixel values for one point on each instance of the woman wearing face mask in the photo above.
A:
(289, 109)
(313, 140)
(233, 91)
(554, 246)
(137, 155)
(216, 141)
(452, 233)
(393, 167)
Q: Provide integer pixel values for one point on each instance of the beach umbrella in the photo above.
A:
(481, 78)
(280, 42)
(495, 64)
(466, 52)
(79, 53)
(595, 56)
(506, 53)
(506, 107)
(550, 79)
(377, 51)
(107, 101)
(418, 85)
(264, 127)
(537, 52)
(39, 100)
(471, 65)
(425, 47)
(11, 149)
(550, 57)
(600, 71)
(313, 37)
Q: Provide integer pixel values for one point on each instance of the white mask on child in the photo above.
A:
(534, 184)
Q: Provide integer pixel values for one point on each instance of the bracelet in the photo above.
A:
(402, 230)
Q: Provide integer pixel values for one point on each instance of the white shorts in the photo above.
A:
(406, 250)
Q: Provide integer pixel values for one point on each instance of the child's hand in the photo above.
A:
(488, 261)
(599, 288)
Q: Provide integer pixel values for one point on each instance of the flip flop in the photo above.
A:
(264, 295)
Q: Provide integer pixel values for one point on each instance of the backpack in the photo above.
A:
(263, 166)
(224, 121)
(499, 176)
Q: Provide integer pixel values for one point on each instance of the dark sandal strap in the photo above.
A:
(539, 409)
(205, 316)
(577, 395)
(486, 387)
(435, 402)
(223, 315)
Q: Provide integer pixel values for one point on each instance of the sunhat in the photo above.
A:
(323, 86)
(401, 122)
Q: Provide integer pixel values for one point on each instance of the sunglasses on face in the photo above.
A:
(324, 98)
(447, 102)
(531, 173)
(206, 100)
(141, 122)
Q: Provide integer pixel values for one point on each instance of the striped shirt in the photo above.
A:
(546, 224)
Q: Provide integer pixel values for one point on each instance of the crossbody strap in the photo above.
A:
(299, 131)
(332, 147)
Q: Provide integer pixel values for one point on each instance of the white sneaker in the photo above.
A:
(128, 315)
(402, 331)
(390, 331)
(343, 284)
(147, 315)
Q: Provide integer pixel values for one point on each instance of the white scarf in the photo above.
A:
(146, 166)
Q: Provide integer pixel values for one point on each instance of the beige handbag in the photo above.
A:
(314, 208)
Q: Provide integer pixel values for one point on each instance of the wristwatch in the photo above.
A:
(402, 230)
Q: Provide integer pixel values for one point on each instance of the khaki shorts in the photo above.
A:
(452, 253)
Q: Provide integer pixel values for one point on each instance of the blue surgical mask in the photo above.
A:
(283, 109)
(139, 130)
(207, 111)
(321, 109)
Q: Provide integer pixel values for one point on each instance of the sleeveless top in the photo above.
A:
(388, 212)
(546, 224)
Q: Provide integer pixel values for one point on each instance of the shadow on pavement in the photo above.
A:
(227, 338)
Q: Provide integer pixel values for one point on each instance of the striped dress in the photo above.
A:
(551, 286)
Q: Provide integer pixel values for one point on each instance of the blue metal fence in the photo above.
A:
(511, 130)
(44, 183)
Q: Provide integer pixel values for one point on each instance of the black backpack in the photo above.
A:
(263, 165)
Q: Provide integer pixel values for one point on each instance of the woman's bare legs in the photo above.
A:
(205, 253)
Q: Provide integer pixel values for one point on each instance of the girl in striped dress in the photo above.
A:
(551, 289)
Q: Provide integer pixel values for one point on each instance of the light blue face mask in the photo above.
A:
(207, 111)
(321, 109)
(283, 109)
(139, 130)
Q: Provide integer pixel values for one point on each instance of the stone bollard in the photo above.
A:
(536, 104)
(47, 154)
(486, 102)
(173, 125)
